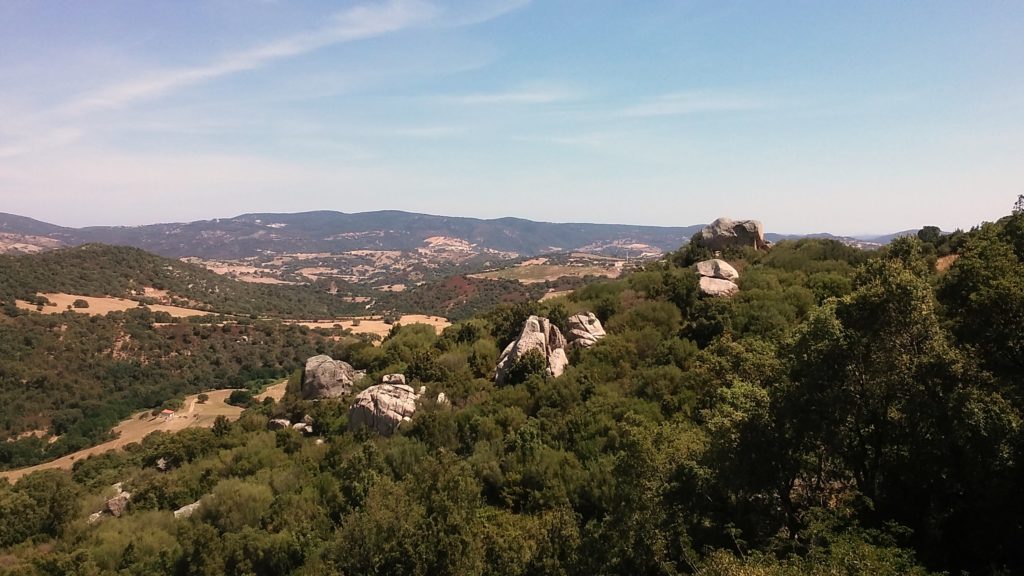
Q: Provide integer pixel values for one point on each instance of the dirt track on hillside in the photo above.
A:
(192, 415)
(100, 306)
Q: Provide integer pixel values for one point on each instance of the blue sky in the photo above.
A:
(848, 117)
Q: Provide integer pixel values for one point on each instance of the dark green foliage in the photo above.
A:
(984, 291)
(529, 365)
(41, 504)
(241, 398)
(845, 413)
(113, 365)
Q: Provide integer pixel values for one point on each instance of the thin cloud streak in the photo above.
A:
(481, 11)
(518, 97)
(358, 23)
(689, 103)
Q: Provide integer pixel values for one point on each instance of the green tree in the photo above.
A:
(878, 388)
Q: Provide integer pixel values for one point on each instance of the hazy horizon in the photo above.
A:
(854, 119)
(864, 235)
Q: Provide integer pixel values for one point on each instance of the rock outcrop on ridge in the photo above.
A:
(725, 233)
(538, 334)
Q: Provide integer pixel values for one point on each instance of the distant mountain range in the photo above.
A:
(866, 242)
(252, 235)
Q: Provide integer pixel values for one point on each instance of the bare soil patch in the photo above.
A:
(376, 324)
(546, 272)
(100, 306)
(944, 263)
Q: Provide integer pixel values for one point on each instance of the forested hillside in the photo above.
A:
(101, 270)
(844, 413)
(74, 377)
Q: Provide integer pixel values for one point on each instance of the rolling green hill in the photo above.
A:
(101, 270)
(326, 231)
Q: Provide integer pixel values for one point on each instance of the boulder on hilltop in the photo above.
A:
(538, 334)
(584, 330)
(325, 377)
(725, 233)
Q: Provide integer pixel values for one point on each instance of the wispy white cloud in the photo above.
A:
(512, 97)
(29, 130)
(428, 132)
(585, 140)
(698, 102)
(470, 12)
(357, 23)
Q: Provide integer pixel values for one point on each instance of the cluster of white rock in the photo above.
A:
(541, 335)
(304, 427)
(585, 330)
(717, 277)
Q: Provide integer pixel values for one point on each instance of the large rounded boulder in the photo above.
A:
(382, 408)
(325, 377)
(717, 287)
(725, 233)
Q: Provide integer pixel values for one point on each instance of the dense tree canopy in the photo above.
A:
(845, 413)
